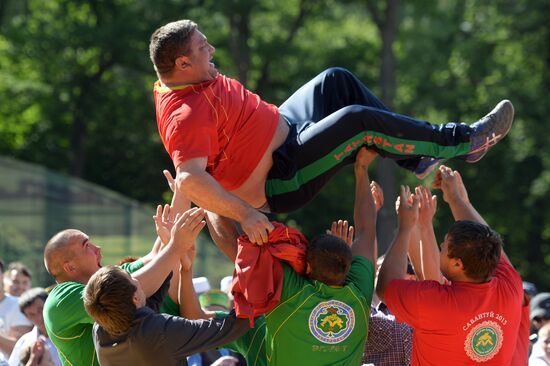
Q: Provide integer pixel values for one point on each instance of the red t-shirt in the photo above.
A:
(461, 323)
(219, 119)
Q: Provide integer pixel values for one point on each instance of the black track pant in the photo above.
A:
(330, 118)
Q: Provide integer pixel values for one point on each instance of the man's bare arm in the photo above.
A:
(395, 262)
(183, 236)
(429, 251)
(202, 189)
(456, 195)
(187, 297)
(364, 214)
(224, 233)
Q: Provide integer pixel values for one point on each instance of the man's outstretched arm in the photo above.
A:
(395, 262)
(201, 188)
(182, 236)
(364, 213)
(429, 252)
(456, 195)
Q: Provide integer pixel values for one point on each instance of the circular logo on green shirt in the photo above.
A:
(331, 321)
(483, 341)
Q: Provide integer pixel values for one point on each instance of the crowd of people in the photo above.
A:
(329, 300)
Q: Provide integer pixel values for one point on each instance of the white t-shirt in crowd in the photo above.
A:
(11, 316)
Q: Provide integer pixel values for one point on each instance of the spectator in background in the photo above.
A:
(540, 317)
(31, 303)
(530, 289)
(13, 323)
(540, 310)
(542, 357)
(201, 285)
(36, 354)
(225, 285)
(17, 279)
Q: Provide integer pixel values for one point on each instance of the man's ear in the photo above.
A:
(182, 63)
(135, 299)
(68, 267)
(457, 264)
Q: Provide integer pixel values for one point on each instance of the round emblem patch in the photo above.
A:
(483, 341)
(331, 321)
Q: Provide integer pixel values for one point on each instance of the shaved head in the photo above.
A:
(57, 250)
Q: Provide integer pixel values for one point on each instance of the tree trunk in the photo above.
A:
(240, 33)
(386, 169)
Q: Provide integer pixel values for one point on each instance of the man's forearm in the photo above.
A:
(202, 189)
(415, 253)
(464, 210)
(364, 216)
(395, 262)
(187, 298)
(153, 274)
(224, 233)
(429, 254)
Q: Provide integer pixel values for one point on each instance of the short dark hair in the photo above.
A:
(477, 246)
(329, 259)
(19, 267)
(108, 298)
(1, 266)
(28, 297)
(170, 42)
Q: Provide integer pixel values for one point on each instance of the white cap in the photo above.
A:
(225, 283)
(201, 284)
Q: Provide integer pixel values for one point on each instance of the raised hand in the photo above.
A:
(450, 182)
(170, 180)
(257, 227)
(428, 205)
(186, 228)
(341, 229)
(188, 258)
(407, 208)
(377, 195)
(365, 157)
(163, 224)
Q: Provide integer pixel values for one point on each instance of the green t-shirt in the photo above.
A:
(252, 344)
(68, 324)
(316, 324)
(168, 306)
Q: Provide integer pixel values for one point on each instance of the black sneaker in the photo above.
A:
(489, 130)
(426, 166)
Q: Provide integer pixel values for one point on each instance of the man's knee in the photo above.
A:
(337, 72)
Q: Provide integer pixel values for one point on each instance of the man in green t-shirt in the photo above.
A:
(322, 319)
(71, 258)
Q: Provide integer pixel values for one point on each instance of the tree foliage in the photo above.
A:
(76, 91)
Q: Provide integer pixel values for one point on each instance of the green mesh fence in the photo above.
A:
(36, 203)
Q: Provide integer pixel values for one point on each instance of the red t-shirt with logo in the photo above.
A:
(219, 119)
(461, 323)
